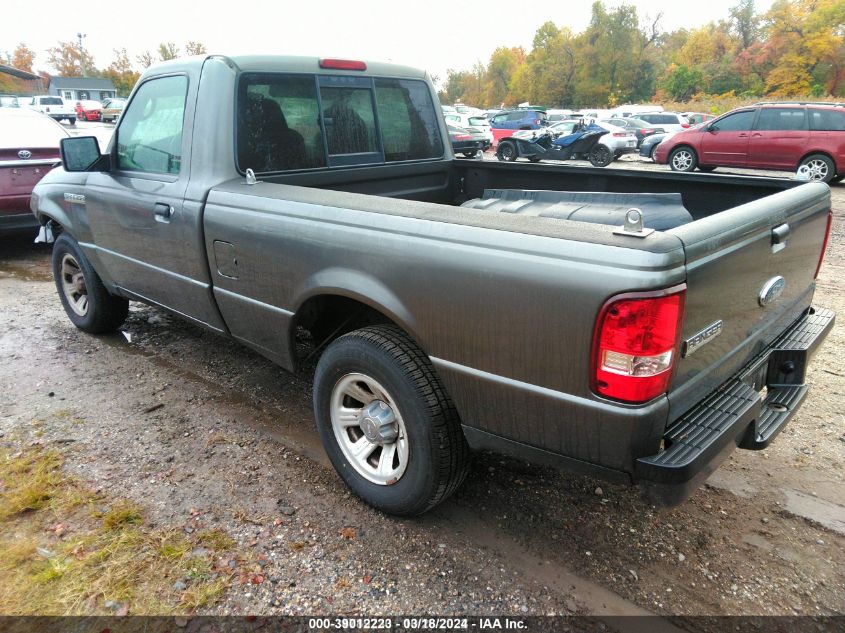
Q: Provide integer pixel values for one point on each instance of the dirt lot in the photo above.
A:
(203, 433)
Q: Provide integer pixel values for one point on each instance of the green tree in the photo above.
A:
(168, 51)
(195, 48)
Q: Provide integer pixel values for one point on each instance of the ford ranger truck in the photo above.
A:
(634, 326)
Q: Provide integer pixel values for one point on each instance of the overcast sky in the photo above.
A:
(431, 34)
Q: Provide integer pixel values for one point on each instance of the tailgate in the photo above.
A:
(750, 274)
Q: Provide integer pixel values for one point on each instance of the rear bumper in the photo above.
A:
(737, 415)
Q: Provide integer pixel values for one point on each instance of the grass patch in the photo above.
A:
(65, 550)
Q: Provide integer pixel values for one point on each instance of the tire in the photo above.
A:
(821, 167)
(88, 304)
(507, 151)
(707, 168)
(837, 178)
(600, 156)
(652, 151)
(381, 364)
(683, 159)
(470, 154)
(72, 121)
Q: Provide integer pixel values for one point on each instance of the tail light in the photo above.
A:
(685, 125)
(636, 343)
(622, 134)
(824, 242)
(462, 137)
(645, 131)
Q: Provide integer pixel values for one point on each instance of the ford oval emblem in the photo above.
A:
(771, 290)
(24, 154)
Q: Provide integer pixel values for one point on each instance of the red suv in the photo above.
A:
(766, 136)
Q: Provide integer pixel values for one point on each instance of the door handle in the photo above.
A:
(742, 136)
(163, 212)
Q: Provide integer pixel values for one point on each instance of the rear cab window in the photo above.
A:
(289, 122)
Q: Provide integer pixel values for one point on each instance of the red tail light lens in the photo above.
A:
(645, 131)
(342, 64)
(636, 344)
(824, 243)
(684, 125)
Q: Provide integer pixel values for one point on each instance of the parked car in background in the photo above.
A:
(695, 118)
(766, 136)
(447, 109)
(506, 123)
(669, 121)
(640, 128)
(88, 110)
(112, 108)
(29, 148)
(53, 107)
(466, 142)
(9, 101)
(650, 143)
(471, 123)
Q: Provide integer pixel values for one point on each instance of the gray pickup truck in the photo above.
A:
(633, 326)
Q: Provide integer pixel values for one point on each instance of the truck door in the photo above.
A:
(725, 142)
(146, 234)
(779, 138)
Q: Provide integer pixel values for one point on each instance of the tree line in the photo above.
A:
(69, 59)
(795, 49)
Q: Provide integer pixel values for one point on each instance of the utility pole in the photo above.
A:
(79, 37)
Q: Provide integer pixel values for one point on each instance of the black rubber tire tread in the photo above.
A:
(452, 451)
(837, 178)
(106, 312)
(600, 156)
(500, 154)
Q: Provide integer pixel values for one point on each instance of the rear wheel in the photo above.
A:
(506, 151)
(821, 168)
(683, 159)
(387, 425)
(85, 299)
(600, 156)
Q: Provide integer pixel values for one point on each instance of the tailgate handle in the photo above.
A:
(780, 233)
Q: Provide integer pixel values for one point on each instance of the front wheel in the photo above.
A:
(820, 167)
(600, 156)
(387, 425)
(683, 159)
(506, 151)
(88, 304)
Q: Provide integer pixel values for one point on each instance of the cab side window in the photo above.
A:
(149, 138)
(407, 119)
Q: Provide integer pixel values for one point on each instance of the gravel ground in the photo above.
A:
(204, 433)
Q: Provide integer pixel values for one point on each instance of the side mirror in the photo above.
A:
(82, 153)
(712, 128)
